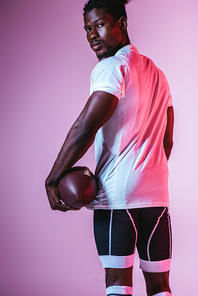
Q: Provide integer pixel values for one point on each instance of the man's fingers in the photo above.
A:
(63, 207)
(55, 201)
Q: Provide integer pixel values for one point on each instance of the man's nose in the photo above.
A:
(93, 34)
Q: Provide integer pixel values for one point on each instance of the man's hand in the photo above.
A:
(54, 199)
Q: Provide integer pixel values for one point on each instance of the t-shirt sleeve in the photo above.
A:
(109, 76)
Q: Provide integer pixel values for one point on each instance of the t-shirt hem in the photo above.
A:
(128, 206)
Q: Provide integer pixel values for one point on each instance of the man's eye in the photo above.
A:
(87, 30)
(100, 25)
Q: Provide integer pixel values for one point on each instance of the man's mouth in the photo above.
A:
(95, 45)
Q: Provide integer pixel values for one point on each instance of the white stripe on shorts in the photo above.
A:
(148, 245)
(169, 227)
(110, 231)
(131, 218)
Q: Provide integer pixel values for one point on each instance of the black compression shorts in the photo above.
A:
(118, 232)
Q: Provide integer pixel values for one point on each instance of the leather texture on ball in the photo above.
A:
(78, 187)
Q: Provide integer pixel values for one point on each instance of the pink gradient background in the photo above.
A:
(45, 69)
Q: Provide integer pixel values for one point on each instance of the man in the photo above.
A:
(129, 114)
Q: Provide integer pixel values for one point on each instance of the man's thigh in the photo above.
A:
(154, 242)
(115, 236)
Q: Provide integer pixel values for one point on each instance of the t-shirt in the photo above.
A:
(131, 166)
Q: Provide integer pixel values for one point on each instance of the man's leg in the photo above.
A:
(156, 283)
(119, 281)
(116, 235)
(154, 247)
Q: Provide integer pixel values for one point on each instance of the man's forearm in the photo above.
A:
(168, 136)
(167, 149)
(97, 111)
(75, 146)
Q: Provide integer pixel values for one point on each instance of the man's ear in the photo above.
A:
(123, 23)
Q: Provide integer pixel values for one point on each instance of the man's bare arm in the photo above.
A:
(168, 136)
(97, 111)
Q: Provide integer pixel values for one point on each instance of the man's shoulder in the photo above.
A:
(114, 60)
(110, 64)
(121, 61)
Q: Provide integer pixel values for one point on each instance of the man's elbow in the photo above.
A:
(84, 136)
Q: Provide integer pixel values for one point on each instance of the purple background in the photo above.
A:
(45, 64)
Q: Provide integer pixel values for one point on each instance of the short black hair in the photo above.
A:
(116, 8)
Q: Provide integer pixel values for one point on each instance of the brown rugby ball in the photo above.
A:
(78, 187)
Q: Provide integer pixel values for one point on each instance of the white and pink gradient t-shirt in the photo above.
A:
(131, 166)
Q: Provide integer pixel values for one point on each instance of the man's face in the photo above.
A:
(103, 33)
